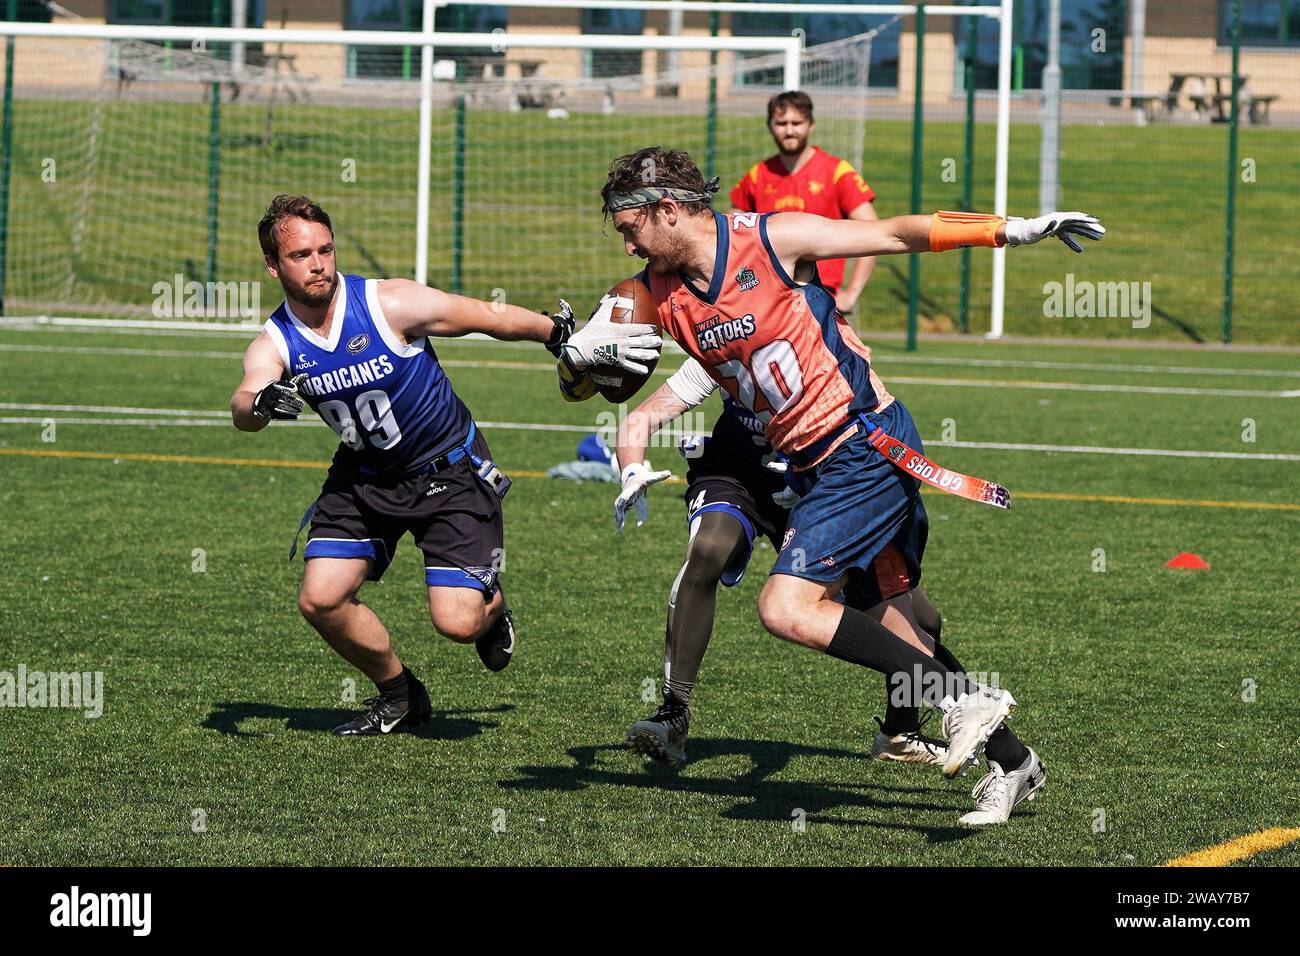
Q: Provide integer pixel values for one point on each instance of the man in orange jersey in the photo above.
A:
(734, 292)
(803, 178)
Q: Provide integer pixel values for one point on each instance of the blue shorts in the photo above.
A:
(859, 515)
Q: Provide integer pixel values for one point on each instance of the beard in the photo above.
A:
(675, 255)
(802, 145)
(314, 296)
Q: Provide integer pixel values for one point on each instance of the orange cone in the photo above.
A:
(1187, 560)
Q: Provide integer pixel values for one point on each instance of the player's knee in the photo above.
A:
(713, 547)
(778, 615)
(318, 605)
(462, 625)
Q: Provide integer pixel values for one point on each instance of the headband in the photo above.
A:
(647, 195)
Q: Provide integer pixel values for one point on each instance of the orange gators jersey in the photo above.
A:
(778, 347)
(825, 186)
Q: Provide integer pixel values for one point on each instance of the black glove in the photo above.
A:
(564, 322)
(279, 399)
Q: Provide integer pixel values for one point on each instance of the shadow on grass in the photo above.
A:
(757, 795)
(444, 725)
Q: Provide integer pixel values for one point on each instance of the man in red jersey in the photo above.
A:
(734, 292)
(803, 178)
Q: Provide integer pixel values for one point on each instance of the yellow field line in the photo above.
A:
(1172, 502)
(1242, 848)
(173, 459)
(289, 463)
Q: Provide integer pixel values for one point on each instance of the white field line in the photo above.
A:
(899, 379)
(1091, 387)
(186, 417)
(476, 338)
(109, 350)
(1091, 366)
(1102, 450)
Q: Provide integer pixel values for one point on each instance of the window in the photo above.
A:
(602, 63)
(29, 11)
(821, 28)
(1263, 22)
(189, 13)
(403, 62)
(1092, 45)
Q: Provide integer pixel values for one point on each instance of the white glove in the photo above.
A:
(637, 477)
(1063, 225)
(602, 342)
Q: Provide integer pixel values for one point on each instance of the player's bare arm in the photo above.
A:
(688, 387)
(798, 237)
(847, 299)
(643, 421)
(414, 310)
(262, 369)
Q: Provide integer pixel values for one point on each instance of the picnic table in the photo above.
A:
(1210, 95)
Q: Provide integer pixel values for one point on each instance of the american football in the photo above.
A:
(633, 303)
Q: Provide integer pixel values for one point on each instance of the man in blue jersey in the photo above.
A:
(410, 458)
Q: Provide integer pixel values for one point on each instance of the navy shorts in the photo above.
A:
(859, 515)
(728, 477)
(453, 515)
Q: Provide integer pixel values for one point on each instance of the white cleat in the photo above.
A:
(998, 793)
(662, 737)
(969, 723)
(910, 747)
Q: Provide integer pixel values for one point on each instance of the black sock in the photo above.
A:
(399, 688)
(1006, 749)
(861, 639)
(899, 718)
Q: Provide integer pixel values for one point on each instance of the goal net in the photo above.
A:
(141, 167)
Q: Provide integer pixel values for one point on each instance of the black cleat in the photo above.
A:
(661, 738)
(385, 714)
(497, 646)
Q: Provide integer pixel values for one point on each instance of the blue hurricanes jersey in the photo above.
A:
(391, 404)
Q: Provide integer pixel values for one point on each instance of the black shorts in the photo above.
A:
(728, 476)
(453, 515)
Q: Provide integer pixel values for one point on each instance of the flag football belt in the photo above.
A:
(491, 475)
(923, 469)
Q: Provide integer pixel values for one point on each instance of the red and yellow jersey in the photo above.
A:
(825, 186)
(778, 347)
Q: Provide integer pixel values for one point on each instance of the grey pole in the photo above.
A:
(1137, 32)
(238, 20)
(1049, 173)
(672, 57)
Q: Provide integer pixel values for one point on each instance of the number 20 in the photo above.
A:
(775, 369)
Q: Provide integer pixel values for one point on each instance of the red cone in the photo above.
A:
(1187, 560)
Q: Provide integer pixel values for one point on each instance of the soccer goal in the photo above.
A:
(141, 158)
